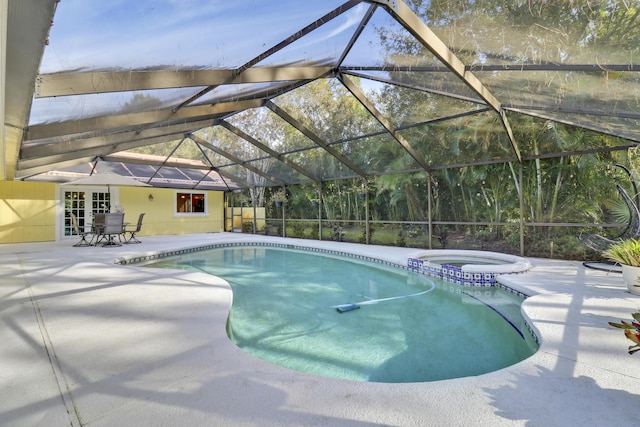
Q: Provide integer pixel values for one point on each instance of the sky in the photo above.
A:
(90, 34)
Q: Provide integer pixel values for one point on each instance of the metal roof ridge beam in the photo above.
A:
(237, 160)
(410, 21)
(315, 138)
(588, 127)
(363, 23)
(547, 66)
(118, 121)
(360, 96)
(348, 5)
(251, 140)
(415, 87)
(65, 84)
(570, 110)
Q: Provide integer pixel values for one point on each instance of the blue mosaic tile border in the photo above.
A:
(511, 290)
(160, 255)
(454, 274)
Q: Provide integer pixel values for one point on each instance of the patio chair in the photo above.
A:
(132, 232)
(98, 227)
(113, 226)
(83, 234)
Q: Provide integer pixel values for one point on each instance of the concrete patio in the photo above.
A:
(87, 342)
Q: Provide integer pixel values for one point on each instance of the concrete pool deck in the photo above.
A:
(87, 342)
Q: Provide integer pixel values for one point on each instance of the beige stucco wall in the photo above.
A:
(29, 211)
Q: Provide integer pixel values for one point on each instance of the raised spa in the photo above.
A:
(467, 268)
(361, 319)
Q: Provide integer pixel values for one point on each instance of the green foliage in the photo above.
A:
(626, 252)
(278, 196)
(297, 229)
(314, 232)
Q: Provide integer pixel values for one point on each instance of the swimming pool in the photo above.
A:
(408, 327)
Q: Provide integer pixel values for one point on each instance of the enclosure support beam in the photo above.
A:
(251, 140)
(167, 158)
(63, 84)
(230, 201)
(104, 149)
(22, 174)
(412, 86)
(4, 9)
(284, 213)
(132, 121)
(367, 239)
(520, 179)
(176, 163)
(412, 23)
(240, 162)
(255, 209)
(354, 38)
(168, 132)
(279, 46)
(429, 197)
(320, 200)
(315, 138)
(360, 96)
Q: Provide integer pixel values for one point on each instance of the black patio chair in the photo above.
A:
(82, 233)
(132, 232)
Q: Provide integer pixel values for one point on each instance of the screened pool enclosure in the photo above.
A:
(490, 124)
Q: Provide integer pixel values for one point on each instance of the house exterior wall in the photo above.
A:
(160, 216)
(31, 211)
(27, 211)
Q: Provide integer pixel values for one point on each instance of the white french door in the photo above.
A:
(84, 204)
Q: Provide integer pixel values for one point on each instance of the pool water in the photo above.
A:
(406, 328)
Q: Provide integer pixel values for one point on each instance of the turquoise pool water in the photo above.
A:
(407, 327)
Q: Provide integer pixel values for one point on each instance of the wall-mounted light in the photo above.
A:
(150, 197)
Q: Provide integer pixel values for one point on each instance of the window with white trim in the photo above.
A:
(191, 203)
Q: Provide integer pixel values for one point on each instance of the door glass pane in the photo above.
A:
(74, 202)
(100, 203)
